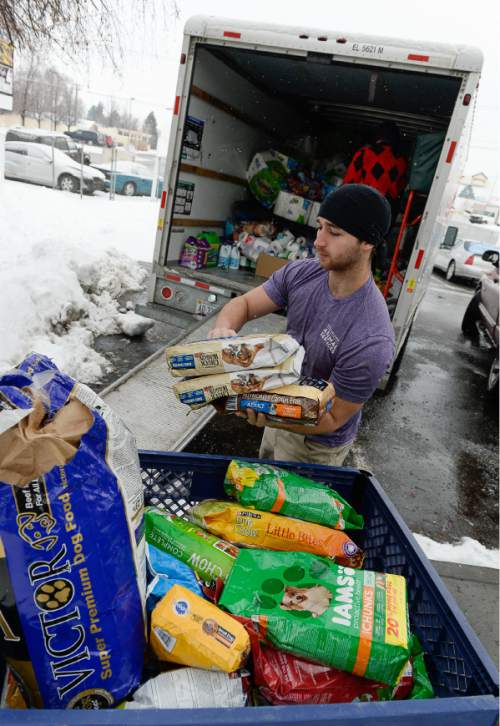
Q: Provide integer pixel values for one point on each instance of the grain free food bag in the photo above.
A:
(283, 679)
(251, 528)
(353, 620)
(210, 557)
(198, 392)
(193, 688)
(270, 489)
(188, 630)
(226, 355)
(304, 402)
(72, 566)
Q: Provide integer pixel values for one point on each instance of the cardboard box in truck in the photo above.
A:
(252, 88)
(267, 264)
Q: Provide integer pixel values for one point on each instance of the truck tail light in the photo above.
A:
(469, 260)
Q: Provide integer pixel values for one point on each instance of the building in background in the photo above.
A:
(6, 73)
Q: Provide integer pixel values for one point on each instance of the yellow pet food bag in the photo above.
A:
(187, 629)
(265, 530)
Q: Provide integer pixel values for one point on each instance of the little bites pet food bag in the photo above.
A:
(270, 489)
(226, 355)
(72, 576)
(188, 630)
(354, 620)
(271, 531)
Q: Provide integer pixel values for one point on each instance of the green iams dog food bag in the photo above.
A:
(354, 620)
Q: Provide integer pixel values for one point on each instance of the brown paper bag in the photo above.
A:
(34, 446)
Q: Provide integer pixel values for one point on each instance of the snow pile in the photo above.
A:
(131, 324)
(467, 552)
(62, 268)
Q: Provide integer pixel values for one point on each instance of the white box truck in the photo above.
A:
(244, 87)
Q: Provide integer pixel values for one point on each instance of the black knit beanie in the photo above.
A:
(359, 210)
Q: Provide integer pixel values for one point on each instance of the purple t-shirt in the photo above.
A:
(348, 341)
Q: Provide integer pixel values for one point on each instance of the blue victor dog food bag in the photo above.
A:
(72, 565)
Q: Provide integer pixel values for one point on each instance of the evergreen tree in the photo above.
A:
(150, 127)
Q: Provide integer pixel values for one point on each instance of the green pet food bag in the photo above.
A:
(210, 557)
(354, 620)
(270, 489)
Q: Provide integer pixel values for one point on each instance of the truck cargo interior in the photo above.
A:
(309, 106)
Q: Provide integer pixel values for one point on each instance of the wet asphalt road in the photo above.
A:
(432, 441)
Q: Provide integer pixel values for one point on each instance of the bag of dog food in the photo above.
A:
(72, 566)
(210, 557)
(188, 630)
(353, 620)
(164, 571)
(251, 528)
(422, 686)
(270, 489)
(198, 392)
(304, 402)
(283, 679)
(193, 688)
(226, 355)
(12, 696)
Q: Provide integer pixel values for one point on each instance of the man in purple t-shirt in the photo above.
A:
(335, 310)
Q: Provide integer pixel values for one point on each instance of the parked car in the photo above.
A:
(86, 136)
(131, 179)
(40, 164)
(480, 320)
(49, 138)
(462, 258)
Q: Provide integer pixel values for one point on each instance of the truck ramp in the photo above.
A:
(144, 400)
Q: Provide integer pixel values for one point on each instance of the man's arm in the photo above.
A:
(338, 415)
(240, 310)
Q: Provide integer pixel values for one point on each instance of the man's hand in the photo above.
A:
(222, 333)
(257, 419)
(339, 414)
(241, 309)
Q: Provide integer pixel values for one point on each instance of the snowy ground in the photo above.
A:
(468, 551)
(63, 263)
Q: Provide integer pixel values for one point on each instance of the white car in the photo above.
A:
(41, 164)
(463, 258)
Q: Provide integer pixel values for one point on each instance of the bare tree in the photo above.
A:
(24, 86)
(75, 27)
(129, 122)
(71, 106)
(56, 84)
(39, 97)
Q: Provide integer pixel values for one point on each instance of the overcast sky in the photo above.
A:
(150, 65)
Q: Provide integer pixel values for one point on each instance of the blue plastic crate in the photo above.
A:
(463, 675)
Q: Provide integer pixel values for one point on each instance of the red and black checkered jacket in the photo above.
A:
(377, 166)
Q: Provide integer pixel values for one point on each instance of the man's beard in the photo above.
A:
(342, 264)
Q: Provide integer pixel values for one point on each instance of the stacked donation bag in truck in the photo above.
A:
(266, 120)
